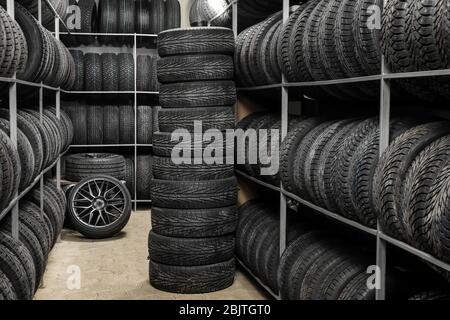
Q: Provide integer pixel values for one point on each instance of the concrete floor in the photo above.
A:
(117, 269)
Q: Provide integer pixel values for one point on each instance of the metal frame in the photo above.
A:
(13, 82)
(134, 93)
(382, 240)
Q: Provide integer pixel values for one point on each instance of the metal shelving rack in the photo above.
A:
(134, 94)
(384, 78)
(13, 82)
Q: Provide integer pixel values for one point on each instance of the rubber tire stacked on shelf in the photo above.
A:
(22, 262)
(194, 216)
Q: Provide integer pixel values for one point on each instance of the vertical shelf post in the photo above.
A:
(385, 113)
(13, 130)
(58, 111)
(235, 19)
(135, 122)
(284, 132)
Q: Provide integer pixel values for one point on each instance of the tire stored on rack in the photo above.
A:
(197, 94)
(213, 40)
(84, 165)
(108, 205)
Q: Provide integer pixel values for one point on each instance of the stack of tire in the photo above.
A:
(245, 149)
(194, 212)
(141, 16)
(23, 260)
(335, 164)
(97, 72)
(50, 63)
(109, 124)
(257, 53)
(412, 33)
(315, 266)
(331, 163)
(39, 145)
(202, 11)
(323, 40)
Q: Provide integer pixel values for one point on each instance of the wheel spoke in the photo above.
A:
(99, 191)
(82, 212)
(112, 214)
(81, 192)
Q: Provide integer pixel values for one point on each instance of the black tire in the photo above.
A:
(289, 148)
(35, 42)
(78, 58)
(11, 170)
(340, 174)
(192, 280)
(50, 205)
(313, 164)
(17, 264)
(420, 189)
(332, 285)
(126, 124)
(110, 72)
(89, 18)
(213, 40)
(220, 118)
(111, 124)
(7, 292)
(390, 174)
(301, 157)
(289, 256)
(118, 209)
(201, 223)
(31, 242)
(144, 176)
(126, 71)
(142, 17)
(126, 15)
(26, 155)
(146, 73)
(95, 125)
(130, 175)
(287, 63)
(157, 16)
(84, 165)
(34, 137)
(195, 68)
(30, 215)
(328, 158)
(108, 19)
(78, 116)
(144, 125)
(173, 14)
(190, 251)
(194, 194)
(357, 289)
(165, 169)
(93, 72)
(297, 43)
(368, 46)
(197, 94)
